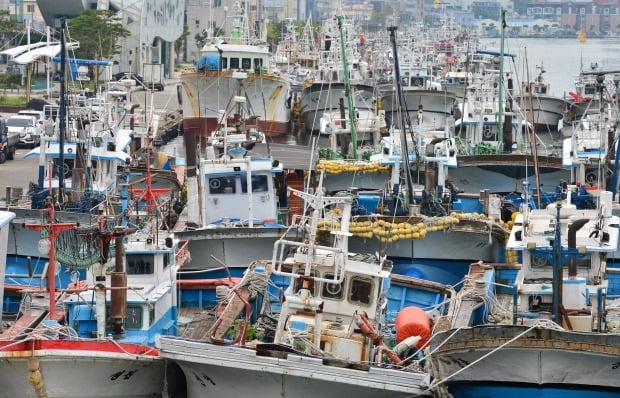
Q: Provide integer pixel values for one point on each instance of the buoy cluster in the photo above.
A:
(388, 232)
(342, 166)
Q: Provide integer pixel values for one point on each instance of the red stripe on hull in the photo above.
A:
(205, 125)
(76, 345)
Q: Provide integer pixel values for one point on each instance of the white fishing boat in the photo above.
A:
(517, 326)
(99, 329)
(543, 109)
(324, 338)
(217, 76)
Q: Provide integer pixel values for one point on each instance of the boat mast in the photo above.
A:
(62, 113)
(347, 87)
(401, 105)
(500, 97)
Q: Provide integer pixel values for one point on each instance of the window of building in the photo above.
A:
(219, 185)
(30, 8)
(361, 291)
(140, 264)
(197, 22)
(582, 10)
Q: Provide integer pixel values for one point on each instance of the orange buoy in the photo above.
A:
(413, 321)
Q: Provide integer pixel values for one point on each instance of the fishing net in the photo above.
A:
(80, 247)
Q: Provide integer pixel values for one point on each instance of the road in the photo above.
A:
(19, 172)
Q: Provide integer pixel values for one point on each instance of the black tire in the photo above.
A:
(2, 157)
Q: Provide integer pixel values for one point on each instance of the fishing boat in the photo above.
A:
(217, 76)
(339, 61)
(240, 208)
(321, 339)
(99, 329)
(544, 327)
(535, 100)
(425, 101)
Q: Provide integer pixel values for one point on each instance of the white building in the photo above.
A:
(154, 26)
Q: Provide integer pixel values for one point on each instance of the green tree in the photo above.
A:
(8, 26)
(203, 37)
(180, 43)
(98, 32)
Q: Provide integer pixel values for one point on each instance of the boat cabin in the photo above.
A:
(149, 306)
(228, 199)
(584, 261)
(234, 57)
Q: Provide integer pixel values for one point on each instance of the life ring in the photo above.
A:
(215, 184)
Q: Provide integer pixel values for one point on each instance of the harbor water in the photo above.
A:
(562, 59)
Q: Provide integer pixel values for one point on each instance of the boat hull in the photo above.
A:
(459, 244)
(204, 94)
(534, 363)
(325, 97)
(72, 369)
(212, 370)
(547, 111)
(505, 173)
(436, 106)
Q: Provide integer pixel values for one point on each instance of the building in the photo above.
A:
(154, 26)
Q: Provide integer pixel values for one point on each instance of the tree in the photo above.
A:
(203, 37)
(180, 43)
(98, 32)
(8, 26)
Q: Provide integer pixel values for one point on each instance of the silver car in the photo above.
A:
(28, 128)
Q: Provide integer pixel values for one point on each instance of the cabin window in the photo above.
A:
(333, 290)
(246, 63)
(361, 291)
(224, 63)
(259, 184)
(488, 133)
(134, 317)
(234, 63)
(311, 285)
(140, 264)
(151, 315)
(167, 257)
(258, 62)
(221, 185)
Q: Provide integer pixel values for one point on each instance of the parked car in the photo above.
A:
(40, 115)
(128, 75)
(8, 142)
(27, 127)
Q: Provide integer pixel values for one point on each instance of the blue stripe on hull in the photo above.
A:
(469, 391)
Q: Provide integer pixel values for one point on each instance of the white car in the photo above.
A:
(28, 128)
(40, 115)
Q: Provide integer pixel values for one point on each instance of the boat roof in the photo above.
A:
(235, 48)
(52, 149)
(6, 217)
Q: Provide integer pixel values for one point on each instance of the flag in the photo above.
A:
(581, 35)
